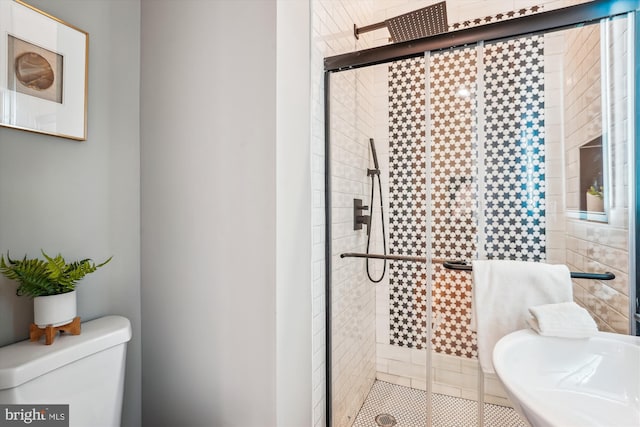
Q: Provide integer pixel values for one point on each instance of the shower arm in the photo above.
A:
(463, 266)
(365, 29)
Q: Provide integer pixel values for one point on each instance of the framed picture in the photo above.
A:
(43, 72)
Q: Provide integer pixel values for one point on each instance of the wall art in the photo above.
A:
(43, 72)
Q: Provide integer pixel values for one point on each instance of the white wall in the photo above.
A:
(82, 198)
(293, 212)
(225, 213)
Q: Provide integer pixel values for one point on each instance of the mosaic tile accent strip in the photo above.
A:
(452, 92)
(452, 95)
(452, 311)
(407, 202)
(495, 18)
(514, 149)
(514, 182)
(409, 407)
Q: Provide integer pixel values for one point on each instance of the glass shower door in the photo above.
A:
(493, 151)
(379, 331)
(529, 143)
(451, 148)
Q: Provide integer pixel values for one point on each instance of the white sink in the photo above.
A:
(563, 382)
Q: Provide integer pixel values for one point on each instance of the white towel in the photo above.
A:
(503, 291)
(566, 319)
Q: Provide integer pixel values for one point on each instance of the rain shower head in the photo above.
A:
(420, 23)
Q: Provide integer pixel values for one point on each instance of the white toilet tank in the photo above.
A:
(85, 371)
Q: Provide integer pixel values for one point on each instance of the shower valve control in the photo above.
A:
(358, 218)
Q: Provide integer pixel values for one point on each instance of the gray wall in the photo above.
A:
(208, 213)
(214, 148)
(82, 198)
(226, 213)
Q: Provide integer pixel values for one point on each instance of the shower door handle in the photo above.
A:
(457, 265)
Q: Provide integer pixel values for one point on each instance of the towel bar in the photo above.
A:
(463, 266)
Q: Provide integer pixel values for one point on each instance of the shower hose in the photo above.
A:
(374, 174)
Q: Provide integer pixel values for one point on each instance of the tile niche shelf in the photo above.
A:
(592, 184)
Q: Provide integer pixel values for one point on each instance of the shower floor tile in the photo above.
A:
(408, 405)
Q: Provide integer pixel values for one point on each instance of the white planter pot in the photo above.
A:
(594, 203)
(54, 310)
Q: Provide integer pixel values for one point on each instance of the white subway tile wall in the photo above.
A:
(353, 299)
(450, 375)
(598, 246)
(555, 210)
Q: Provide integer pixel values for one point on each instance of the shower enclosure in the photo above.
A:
(510, 141)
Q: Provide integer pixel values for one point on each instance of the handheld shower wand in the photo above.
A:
(373, 153)
(373, 173)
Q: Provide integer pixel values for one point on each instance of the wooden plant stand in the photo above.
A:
(50, 332)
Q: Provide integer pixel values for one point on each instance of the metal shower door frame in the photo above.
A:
(544, 22)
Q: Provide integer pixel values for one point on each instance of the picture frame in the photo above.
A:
(43, 72)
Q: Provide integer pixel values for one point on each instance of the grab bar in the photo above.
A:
(463, 266)
(391, 257)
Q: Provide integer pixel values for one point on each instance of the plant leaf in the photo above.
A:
(49, 277)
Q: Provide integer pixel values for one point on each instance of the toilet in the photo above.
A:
(85, 371)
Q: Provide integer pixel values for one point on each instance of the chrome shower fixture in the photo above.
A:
(425, 22)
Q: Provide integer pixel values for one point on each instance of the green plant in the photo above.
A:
(51, 276)
(599, 194)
